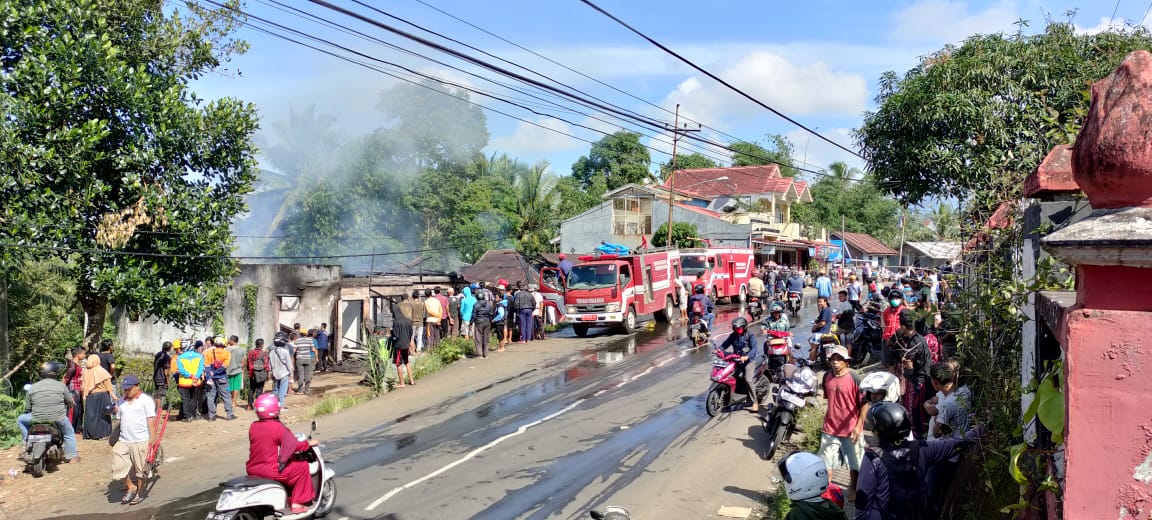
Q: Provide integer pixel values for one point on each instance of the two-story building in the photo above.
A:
(739, 206)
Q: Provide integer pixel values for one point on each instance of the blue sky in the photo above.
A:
(817, 61)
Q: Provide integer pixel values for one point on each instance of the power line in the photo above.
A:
(570, 69)
(465, 87)
(1142, 18)
(547, 103)
(717, 78)
(1113, 17)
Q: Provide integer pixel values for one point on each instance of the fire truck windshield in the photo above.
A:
(693, 264)
(592, 276)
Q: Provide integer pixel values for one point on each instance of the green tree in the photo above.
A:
(104, 149)
(689, 161)
(779, 152)
(684, 234)
(970, 122)
(436, 122)
(573, 198)
(858, 206)
(619, 158)
(304, 146)
(535, 217)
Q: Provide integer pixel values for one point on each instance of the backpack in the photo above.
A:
(259, 371)
(482, 311)
(698, 306)
(933, 347)
(908, 493)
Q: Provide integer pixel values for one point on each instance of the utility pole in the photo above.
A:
(677, 133)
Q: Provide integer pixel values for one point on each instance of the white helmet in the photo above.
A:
(882, 382)
(805, 475)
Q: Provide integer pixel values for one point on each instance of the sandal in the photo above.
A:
(128, 497)
(139, 498)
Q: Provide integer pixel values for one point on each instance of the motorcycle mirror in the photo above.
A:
(313, 429)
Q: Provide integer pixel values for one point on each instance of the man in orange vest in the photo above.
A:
(216, 362)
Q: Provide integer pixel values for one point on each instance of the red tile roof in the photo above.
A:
(866, 244)
(742, 180)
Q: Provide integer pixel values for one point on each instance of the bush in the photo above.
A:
(336, 403)
(10, 409)
(810, 421)
(775, 506)
(453, 349)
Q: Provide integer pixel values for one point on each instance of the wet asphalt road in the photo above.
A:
(554, 447)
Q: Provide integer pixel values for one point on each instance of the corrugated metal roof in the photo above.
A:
(938, 250)
(866, 244)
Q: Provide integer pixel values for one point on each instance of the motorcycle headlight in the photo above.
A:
(612, 307)
(571, 309)
(225, 502)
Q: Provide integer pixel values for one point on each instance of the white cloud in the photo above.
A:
(1106, 24)
(946, 21)
(529, 139)
(791, 88)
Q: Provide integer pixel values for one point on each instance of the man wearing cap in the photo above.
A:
(841, 435)
(565, 265)
(137, 415)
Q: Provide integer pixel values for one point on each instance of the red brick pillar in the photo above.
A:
(1107, 335)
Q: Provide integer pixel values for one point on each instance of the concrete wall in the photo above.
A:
(317, 286)
(582, 233)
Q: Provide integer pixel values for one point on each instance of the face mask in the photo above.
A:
(894, 303)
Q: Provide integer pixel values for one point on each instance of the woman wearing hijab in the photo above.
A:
(401, 344)
(96, 386)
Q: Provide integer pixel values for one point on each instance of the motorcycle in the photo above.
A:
(698, 331)
(794, 304)
(754, 308)
(725, 384)
(777, 347)
(867, 338)
(788, 399)
(43, 449)
(250, 498)
(610, 513)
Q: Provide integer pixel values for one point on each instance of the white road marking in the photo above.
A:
(472, 454)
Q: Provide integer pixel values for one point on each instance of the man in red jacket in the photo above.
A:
(270, 450)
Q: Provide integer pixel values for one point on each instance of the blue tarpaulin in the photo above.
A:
(612, 249)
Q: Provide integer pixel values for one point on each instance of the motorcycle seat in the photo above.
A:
(246, 481)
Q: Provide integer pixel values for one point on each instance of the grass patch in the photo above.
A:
(773, 506)
(553, 327)
(336, 403)
(810, 421)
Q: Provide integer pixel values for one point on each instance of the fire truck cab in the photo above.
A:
(612, 290)
(724, 271)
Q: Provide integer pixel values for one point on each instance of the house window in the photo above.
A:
(632, 216)
(289, 303)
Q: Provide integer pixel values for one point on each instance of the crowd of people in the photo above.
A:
(485, 314)
(912, 397)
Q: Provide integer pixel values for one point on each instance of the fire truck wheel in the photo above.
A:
(580, 330)
(630, 320)
(714, 296)
(669, 312)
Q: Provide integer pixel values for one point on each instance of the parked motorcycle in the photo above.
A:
(794, 304)
(611, 513)
(788, 399)
(867, 339)
(249, 498)
(755, 309)
(726, 386)
(43, 449)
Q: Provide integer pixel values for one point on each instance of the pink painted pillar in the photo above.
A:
(1107, 335)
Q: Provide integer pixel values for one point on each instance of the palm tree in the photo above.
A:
(944, 222)
(535, 205)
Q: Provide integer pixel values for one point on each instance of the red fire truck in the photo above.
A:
(724, 271)
(612, 290)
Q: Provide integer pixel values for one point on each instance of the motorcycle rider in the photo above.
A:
(743, 341)
(778, 321)
(48, 400)
(796, 285)
(271, 447)
(700, 305)
(894, 479)
(806, 481)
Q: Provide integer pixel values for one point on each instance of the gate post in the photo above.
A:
(1107, 334)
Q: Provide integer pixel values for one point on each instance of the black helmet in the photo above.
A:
(280, 339)
(49, 370)
(698, 289)
(739, 325)
(891, 422)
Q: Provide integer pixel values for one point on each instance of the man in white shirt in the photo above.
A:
(136, 413)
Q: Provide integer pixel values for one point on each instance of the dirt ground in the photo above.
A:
(20, 492)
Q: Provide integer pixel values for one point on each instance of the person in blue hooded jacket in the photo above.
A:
(466, 305)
